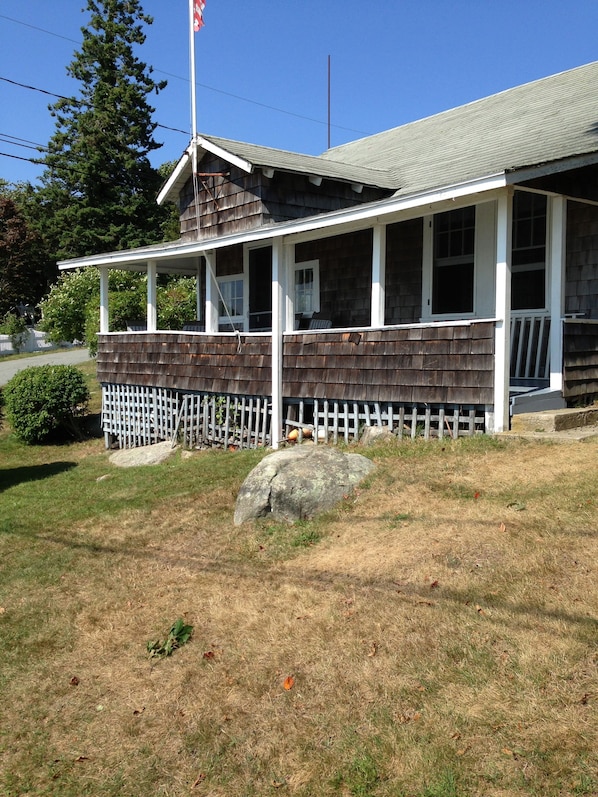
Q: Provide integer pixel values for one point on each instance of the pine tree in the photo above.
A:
(99, 188)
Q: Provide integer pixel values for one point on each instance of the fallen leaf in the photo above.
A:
(138, 711)
(200, 778)
(2, 609)
(518, 506)
(82, 758)
(277, 784)
(479, 610)
(502, 527)
(209, 654)
(288, 682)
(476, 496)
(74, 681)
(434, 584)
(373, 649)
(506, 751)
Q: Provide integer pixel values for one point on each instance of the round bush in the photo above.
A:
(45, 401)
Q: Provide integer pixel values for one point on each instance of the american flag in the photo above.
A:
(198, 7)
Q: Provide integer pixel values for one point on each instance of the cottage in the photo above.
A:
(433, 278)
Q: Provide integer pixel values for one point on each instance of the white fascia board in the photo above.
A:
(235, 160)
(174, 177)
(337, 221)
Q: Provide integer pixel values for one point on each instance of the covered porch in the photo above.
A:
(401, 309)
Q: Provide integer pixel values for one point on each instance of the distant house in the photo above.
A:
(434, 278)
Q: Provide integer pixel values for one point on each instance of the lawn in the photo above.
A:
(434, 636)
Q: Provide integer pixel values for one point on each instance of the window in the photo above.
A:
(453, 267)
(230, 303)
(306, 297)
(528, 280)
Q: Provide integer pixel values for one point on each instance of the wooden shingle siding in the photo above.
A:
(444, 364)
(345, 276)
(182, 362)
(231, 200)
(580, 361)
(404, 243)
(581, 286)
(439, 365)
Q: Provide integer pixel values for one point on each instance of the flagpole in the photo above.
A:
(192, 72)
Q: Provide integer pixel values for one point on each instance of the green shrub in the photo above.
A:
(44, 402)
(16, 327)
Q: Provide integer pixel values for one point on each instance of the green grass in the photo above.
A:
(440, 644)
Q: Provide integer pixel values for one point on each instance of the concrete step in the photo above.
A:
(555, 420)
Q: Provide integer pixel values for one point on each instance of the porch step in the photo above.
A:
(554, 421)
(534, 400)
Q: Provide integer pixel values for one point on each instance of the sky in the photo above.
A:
(262, 65)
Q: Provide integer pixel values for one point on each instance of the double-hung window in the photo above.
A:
(306, 296)
(528, 279)
(230, 303)
(453, 263)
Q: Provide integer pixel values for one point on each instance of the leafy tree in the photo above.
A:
(99, 188)
(23, 279)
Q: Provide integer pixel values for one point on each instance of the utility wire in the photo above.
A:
(202, 85)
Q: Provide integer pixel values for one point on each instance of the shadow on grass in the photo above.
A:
(10, 477)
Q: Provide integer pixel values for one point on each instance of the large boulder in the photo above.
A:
(300, 482)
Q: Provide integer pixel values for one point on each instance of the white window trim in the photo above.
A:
(236, 319)
(302, 266)
(428, 272)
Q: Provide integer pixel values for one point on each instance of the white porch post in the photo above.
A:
(198, 290)
(152, 307)
(104, 315)
(557, 252)
(289, 287)
(278, 307)
(378, 275)
(211, 293)
(502, 342)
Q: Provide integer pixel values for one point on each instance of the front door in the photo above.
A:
(260, 289)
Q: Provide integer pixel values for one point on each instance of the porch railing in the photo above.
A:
(530, 346)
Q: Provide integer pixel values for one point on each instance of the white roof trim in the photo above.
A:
(178, 171)
(235, 160)
(348, 217)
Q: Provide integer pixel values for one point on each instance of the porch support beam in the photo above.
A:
(279, 258)
(378, 276)
(152, 307)
(502, 339)
(211, 293)
(557, 251)
(104, 313)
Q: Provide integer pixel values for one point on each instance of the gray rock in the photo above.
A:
(375, 434)
(299, 482)
(144, 455)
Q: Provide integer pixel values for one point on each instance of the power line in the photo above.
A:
(203, 85)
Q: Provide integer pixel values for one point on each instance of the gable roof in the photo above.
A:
(542, 122)
(252, 156)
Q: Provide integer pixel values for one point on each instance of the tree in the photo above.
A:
(22, 275)
(99, 188)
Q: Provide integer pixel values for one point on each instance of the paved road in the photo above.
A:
(59, 357)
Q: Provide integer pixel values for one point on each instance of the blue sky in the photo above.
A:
(262, 64)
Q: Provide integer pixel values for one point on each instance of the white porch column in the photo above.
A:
(104, 316)
(198, 290)
(289, 288)
(378, 275)
(152, 306)
(502, 339)
(556, 269)
(211, 293)
(278, 308)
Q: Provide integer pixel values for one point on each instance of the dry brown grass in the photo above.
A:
(441, 637)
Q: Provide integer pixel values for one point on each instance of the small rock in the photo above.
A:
(144, 455)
